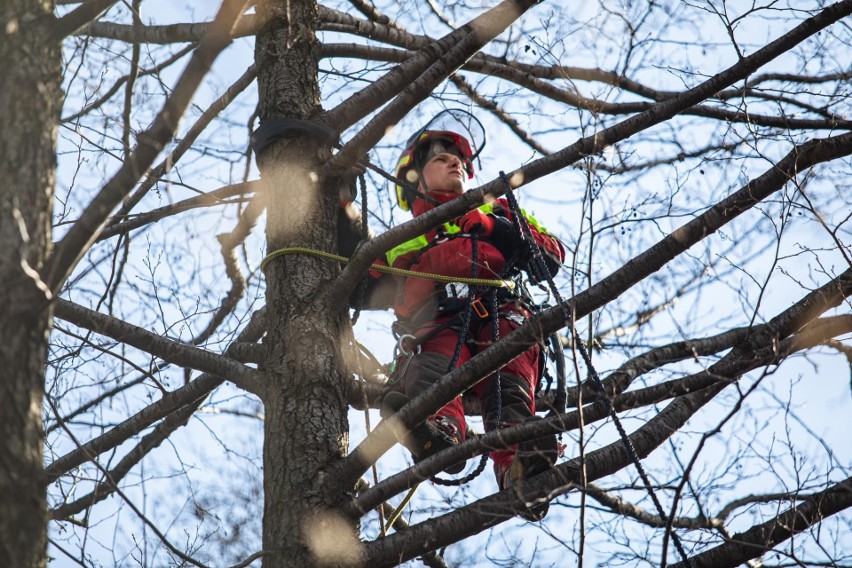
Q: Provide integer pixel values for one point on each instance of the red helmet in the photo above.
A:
(427, 142)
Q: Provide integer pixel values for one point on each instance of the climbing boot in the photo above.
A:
(428, 438)
(532, 458)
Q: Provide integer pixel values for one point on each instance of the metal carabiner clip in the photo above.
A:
(401, 351)
(401, 348)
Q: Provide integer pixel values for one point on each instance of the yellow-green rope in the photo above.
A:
(398, 511)
(389, 269)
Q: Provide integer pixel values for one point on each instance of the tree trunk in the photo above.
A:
(29, 103)
(306, 426)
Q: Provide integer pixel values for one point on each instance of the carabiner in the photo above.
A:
(400, 345)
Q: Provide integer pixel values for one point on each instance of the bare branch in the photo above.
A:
(252, 557)
(430, 559)
(187, 141)
(228, 242)
(79, 17)
(763, 537)
(530, 78)
(169, 350)
(501, 114)
(172, 401)
(176, 399)
(95, 401)
(845, 350)
(141, 515)
(148, 443)
(765, 498)
(172, 33)
(628, 509)
(427, 68)
(481, 62)
(373, 13)
(217, 197)
(84, 232)
(177, 56)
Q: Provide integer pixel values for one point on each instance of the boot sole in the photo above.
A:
(424, 440)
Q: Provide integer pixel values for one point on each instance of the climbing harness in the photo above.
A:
(539, 266)
(462, 321)
(408, 345)
(468, 308)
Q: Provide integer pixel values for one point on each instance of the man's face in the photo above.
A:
(444, 173)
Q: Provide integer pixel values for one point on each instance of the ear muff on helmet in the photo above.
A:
(408, 169)
(404, 170)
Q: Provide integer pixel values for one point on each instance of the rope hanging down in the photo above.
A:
(541, 269)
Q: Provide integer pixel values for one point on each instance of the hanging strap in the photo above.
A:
(271, 130)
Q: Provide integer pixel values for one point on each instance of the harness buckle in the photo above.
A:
(479, 308)
(456, 290)
(514, 317)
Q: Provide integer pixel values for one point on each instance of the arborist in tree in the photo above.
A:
(484, 243)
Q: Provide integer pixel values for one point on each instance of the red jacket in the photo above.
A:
(434, 253)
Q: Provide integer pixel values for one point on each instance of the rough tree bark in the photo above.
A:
(305, 402)
(29, 103)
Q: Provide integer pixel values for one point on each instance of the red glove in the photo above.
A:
(477, 222)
